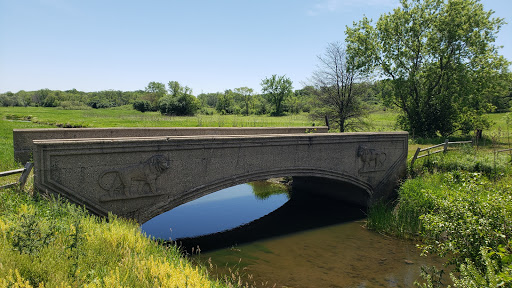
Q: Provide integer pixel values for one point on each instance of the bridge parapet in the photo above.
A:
(145, 176)
(23, 138)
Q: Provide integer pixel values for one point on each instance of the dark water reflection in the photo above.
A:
(219, 211)
(308, 241)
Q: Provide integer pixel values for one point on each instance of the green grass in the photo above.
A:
(51, 243)
(132, 118)
(383, 121)
(460, 206)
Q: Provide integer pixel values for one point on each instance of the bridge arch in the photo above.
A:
(203, 189)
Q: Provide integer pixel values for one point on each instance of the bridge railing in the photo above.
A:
(25, 171)
(444, 149)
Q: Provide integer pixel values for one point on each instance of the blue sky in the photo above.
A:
(208, 45)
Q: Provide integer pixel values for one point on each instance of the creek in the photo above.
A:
(258, 232)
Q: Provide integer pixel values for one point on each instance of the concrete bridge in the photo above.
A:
(142, 177)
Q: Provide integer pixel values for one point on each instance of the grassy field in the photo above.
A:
(131, 118)
(499, 136)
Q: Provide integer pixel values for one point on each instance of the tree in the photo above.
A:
(276, 89)
(209, 99)
(141, 105)
(179, 102)
(439, 56)
(247, 97)
(182, 105)
(154, 91)
(225, 103)
(175, 89)
(335, 82)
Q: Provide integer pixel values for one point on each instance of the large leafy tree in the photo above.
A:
(225, 102)
(179, 101)
(335, 81)
(276, 89)
(440, 57)
(153, 92)
(247, 95)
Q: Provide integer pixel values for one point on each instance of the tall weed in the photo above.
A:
(48, 242)
(460, 206)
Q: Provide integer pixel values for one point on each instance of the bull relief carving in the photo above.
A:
(133, 181)
(372, 159)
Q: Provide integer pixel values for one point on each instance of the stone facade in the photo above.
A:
(141, 177)
(23, 146)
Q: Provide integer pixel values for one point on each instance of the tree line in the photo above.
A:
(174, 98)
(433, 60)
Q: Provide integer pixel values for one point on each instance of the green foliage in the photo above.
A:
(495, 272)
(180, 105)
(246, 95)
(264, 189)
(460, 206)
(10, 99)
(29, 235)
(276, 89)
(69, 99)
(142, 105)
(225, 103)
(440, 59)
(51, 243)
(208, 99)
(180, 101)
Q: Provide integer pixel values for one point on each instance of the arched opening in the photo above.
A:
(219, 211)
(258, 210)
(356, 193)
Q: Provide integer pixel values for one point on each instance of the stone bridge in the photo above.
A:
(142, 177)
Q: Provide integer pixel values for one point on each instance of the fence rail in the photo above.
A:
(23, 178)
(504, 150)
(444, 145)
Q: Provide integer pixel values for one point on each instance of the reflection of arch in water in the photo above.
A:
(314, 176)
(309, 211)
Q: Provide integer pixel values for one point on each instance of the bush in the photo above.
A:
(182, 105)
(459, 206)
(51, 243)
(142, 106)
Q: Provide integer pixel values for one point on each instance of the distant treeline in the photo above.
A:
(176, 99)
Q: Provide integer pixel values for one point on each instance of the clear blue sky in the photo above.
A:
(208, 45)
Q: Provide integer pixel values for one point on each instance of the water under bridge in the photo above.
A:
(142, 177)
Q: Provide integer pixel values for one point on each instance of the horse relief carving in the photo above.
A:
(132, 180)
(372, 159)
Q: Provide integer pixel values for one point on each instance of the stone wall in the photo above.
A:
(23, 138)
(141, 177)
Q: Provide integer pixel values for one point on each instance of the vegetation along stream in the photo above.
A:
(258, 233)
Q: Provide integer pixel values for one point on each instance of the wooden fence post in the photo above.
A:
(24, 175)
(23, 178)
(445, 146)
(415, 155)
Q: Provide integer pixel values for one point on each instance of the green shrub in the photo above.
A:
(51, 243)
(459, 205)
